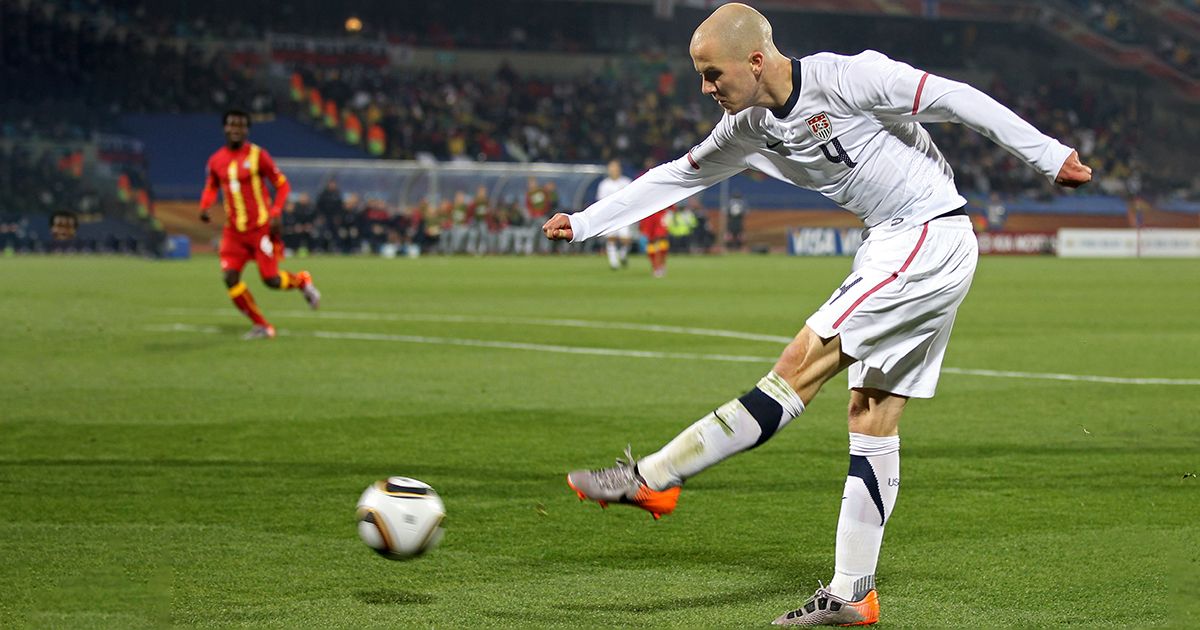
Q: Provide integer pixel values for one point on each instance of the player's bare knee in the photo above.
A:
(793, 358)
(272, 281)
(232, 278)
(808, 362)
(872, 422)
(874, 412)
(857, 410)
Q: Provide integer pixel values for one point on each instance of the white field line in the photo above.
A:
(486, 319)
(483, 343)
(579, 323)
(1118, 380)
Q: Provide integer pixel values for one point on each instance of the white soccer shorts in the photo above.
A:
(895, 310)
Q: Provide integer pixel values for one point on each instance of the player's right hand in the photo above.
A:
(1073, 173)
(204, 216)
(558, 228)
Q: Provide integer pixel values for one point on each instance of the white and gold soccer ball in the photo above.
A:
(400, 518)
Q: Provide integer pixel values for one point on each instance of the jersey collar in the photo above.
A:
(787, 107)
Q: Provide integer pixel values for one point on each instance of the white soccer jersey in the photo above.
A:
(610, 186)
(850, 131)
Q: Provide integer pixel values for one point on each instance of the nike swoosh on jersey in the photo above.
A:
(772, 146)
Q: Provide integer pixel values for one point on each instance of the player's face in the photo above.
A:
(237, 129)
(731, 82)
(614, 170)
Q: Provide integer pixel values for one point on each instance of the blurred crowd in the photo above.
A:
(480, 24)
(1120, 20)
(594, 119)
(40, 185)
(532, 24)
(77, 75)
(466, 222)
(613, 114)
(70, 77)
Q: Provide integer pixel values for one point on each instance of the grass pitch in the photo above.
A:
(156, 471)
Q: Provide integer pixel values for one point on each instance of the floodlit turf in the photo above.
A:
(156, 470)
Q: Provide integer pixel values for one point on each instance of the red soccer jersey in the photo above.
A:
(654, 227)
(239, 175)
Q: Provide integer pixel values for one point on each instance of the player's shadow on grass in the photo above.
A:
(385, 597)
(763, 592)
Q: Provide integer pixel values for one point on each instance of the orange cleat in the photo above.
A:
(309, 290)
(826, 609)
(622, 484)
(259, 331)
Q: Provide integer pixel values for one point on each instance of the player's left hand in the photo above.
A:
(558, 228)
(276, 228)
(1073, 173)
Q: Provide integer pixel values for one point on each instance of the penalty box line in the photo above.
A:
(645, 354)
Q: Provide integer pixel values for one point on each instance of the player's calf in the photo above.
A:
(740, 424)
(652, 483)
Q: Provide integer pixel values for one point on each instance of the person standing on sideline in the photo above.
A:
(849, 128)
(537, 208)
(658, 243)
(253, 230)
(617, 244)
(735, 222)
(996, 213)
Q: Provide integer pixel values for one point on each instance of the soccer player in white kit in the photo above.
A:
(617, 243)
(847, 127)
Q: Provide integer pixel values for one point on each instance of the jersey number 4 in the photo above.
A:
(840, 157)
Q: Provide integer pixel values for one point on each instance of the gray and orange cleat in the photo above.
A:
(622, 484)
(826, 609)
(311, 294)
(260, 332)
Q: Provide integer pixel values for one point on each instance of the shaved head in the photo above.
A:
(735, 54)
(734, 30)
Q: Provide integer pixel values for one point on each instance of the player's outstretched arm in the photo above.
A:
(718, 157)
(897, 91)
(558, 228)
(1073, 173)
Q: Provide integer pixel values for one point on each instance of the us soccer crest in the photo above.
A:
(820, 127)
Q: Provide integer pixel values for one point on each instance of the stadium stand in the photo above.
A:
(39, 179)
(533, 81)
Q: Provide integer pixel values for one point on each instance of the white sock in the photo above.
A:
(614, 258)
(867, 502)
(739, 424)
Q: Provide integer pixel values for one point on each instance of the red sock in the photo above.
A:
(245, 303)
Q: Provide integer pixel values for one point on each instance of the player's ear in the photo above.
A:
(757, 60)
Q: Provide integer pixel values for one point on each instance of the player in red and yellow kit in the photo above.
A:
(654, 228)
(252, 227)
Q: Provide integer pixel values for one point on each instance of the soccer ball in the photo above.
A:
(400, 518)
